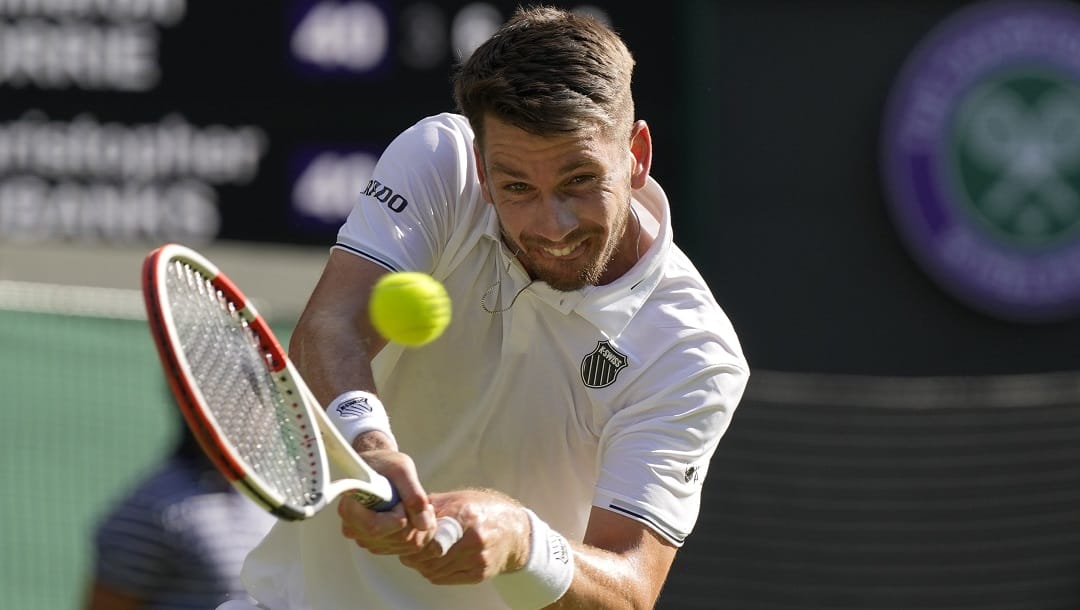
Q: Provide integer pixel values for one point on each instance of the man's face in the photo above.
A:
(563, 202)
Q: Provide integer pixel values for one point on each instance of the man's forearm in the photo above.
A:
(608, 581)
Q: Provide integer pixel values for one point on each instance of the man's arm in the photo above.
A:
(332, 346)
(333, 342)
(621, 563)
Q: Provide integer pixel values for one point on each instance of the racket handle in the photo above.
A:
(388, 504)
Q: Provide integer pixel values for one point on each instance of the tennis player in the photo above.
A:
(568, 414)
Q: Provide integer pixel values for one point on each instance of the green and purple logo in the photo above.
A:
(981, 158)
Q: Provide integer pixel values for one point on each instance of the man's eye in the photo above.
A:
(583, 179)
(517, 187)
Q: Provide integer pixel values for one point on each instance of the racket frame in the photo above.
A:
(343, 470)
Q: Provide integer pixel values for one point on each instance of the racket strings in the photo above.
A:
(230, 366)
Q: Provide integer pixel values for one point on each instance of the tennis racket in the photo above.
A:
(245, 401)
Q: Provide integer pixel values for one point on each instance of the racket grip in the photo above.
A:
(388, 504)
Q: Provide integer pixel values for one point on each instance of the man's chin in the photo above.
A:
(565, 286)
(566, 277)
(565, 282)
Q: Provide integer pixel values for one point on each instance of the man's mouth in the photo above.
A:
(563, 251)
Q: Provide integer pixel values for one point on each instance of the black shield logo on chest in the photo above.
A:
(600, 368)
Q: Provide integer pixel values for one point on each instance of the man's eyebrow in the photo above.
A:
(565, 169)
(497, 167)
(576, 164)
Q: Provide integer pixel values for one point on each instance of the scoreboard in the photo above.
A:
(192, 121)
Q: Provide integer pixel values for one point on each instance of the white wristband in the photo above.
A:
(356, 412)
(546, 575)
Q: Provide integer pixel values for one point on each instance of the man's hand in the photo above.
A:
(404, 530)
(496, 538)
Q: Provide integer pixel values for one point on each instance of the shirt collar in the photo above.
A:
(611, 307)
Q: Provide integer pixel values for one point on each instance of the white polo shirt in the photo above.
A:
(612, 396)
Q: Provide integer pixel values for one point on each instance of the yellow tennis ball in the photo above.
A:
(409, 307)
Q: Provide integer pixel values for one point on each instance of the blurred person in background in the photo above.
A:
(176, 540)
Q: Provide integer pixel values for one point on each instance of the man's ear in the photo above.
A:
(641, 154)
(480, 173)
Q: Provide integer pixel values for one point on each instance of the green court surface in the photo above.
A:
(85, 412)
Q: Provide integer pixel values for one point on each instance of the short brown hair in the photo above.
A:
(549, 72)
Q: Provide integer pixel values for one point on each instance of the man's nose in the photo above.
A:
(559, 218)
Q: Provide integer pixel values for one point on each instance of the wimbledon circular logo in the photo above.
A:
(981, 158)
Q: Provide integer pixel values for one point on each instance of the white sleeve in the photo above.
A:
(404, 217)
(655, 453)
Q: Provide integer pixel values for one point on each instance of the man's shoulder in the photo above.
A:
(684, 309)
(177, 478)
(447, 122)
(439, 145)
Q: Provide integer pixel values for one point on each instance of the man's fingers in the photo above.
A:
(421, 515)
(400, 469)
(360, 520)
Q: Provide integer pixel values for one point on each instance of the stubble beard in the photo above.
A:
(574, 275)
